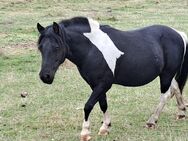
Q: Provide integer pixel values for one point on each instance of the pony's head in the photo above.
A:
(53, 48)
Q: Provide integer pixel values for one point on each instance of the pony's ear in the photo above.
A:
(40, 28)
(56, 28)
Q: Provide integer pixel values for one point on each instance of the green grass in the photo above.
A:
(55, 112)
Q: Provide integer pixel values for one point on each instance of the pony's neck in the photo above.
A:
(78, 48)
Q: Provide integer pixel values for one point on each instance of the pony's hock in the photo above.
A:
(105, 56)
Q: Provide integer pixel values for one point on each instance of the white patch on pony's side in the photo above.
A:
(103, 42)
(184, 38)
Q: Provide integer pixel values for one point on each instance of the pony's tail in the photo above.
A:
(181, 76)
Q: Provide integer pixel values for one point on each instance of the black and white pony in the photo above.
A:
(106, 56)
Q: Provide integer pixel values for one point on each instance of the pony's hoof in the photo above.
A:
(150, 125)
(103, 132)
(85, 138)
(180, 117)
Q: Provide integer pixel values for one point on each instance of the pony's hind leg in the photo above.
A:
(180, 103)
(154, 117)
(166, 94)
(106, 123)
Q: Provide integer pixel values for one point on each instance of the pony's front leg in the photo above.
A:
(105, 128)
(99, 90)
(85, 133)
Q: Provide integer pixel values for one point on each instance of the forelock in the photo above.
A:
(51, 36)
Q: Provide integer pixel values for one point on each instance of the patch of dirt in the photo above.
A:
(24, 45)
(3, 35)
(18, 1)
(17, 49)
(24, 48)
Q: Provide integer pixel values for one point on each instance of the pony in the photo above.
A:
(105, 56)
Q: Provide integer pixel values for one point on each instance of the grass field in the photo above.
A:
(55, 112)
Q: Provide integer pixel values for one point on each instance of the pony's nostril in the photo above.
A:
(47, 76)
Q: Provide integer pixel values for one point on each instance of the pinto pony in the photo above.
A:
(105, 56)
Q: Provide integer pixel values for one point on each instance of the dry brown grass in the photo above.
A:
(17, 49)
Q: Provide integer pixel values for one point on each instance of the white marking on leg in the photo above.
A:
(179, 98)
(106, 119)
(163, 100)
(173, 90)
(103, 42)
(85, 128)
(105, 129)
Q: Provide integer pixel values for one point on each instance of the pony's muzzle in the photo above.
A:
(46, 77)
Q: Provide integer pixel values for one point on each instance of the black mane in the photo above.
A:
(79, 24)
(75, 21)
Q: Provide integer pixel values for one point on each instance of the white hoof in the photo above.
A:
(150, 125)
(180, 117)
(103, 132)
(85, 138)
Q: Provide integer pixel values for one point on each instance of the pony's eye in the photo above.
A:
(57, 47)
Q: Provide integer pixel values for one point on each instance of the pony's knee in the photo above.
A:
(87, 109)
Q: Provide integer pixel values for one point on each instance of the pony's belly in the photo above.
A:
(140, 67)
(138, 75)
(136, 80)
